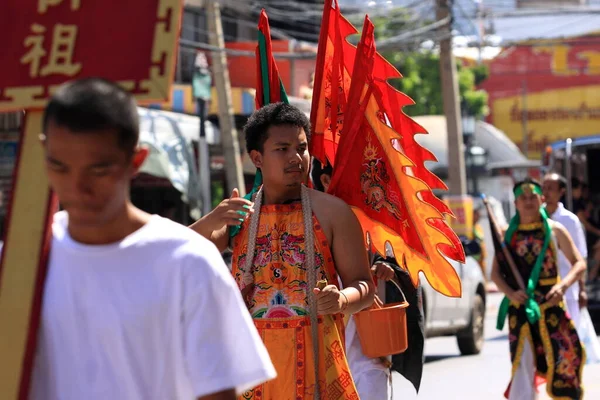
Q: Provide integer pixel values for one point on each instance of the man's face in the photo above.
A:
(528, 204)
(284, 160)
(89, 172)
(552, 191)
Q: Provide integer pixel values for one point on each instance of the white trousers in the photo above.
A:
(371, 377)
(523, 383)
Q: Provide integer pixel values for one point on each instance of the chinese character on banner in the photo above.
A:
(43, 5)
(61, 51)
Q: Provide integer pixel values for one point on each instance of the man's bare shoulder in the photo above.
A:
(327, 202)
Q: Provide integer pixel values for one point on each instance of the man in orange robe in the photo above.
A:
(294, 234)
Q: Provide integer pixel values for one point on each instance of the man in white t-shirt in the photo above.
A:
(554, 187)
(135, 306)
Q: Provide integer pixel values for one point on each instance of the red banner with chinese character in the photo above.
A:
(44, 44)
(47, 42)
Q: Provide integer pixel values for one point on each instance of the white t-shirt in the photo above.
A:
(571, 222)
(154, 316)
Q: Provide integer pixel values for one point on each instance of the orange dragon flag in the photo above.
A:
(372, 146)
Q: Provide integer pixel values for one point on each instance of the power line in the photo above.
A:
(245, 53)
(394, 41)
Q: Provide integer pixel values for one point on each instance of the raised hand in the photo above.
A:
(230, 212)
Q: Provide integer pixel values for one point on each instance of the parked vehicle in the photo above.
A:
(462, 317)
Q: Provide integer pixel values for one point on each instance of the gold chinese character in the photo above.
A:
(61, 52)
(36, 51)
(43, 5)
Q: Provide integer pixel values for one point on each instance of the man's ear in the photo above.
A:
(139, 156)
(256, 158)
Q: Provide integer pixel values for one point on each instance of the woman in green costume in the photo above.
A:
(544, 345)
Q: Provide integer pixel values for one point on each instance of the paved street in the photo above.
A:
(447, 375)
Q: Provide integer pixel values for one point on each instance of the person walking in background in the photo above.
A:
(554, 187)
(543, 341)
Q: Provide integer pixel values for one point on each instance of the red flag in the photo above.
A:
(332, 81)
(269, 88)
(382, 184)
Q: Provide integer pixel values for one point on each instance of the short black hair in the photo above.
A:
(527, 180)
(275, 114)
(562, 181)
(576, 183)
(319, 170)
(92, 104)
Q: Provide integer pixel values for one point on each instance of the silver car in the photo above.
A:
(461, 317)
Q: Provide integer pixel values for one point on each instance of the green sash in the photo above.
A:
(532, 308)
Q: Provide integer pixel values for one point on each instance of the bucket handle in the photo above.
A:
(393, 281)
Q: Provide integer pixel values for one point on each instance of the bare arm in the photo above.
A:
(351, 260)
(220, 237)
(224, 395)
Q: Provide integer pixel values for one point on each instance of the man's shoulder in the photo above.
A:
(170, 233)
(185, 247)
(326, 200)
(565, 217)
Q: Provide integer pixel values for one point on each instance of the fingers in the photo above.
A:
(522, 298)
(554, 301)
(235, 211)
(239, 203)
(328, 300)
(519, 296)
(383, 271)
(554, 297)
(235, 193)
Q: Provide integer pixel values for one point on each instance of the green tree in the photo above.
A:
(421, 69)
(421, 81)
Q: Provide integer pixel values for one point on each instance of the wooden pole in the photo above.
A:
(24, 262)
(229, 135)
(450, 95)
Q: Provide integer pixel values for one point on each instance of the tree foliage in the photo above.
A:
(421, 69)
(422, 82)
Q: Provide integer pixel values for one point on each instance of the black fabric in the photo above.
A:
(503, 262)
(409, 363)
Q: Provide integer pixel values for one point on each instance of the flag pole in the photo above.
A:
(505, 252)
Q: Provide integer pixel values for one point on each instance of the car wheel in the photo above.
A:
(470, 341)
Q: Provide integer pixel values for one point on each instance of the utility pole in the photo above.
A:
(229, 135)
(456, 154)
(480, 30)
